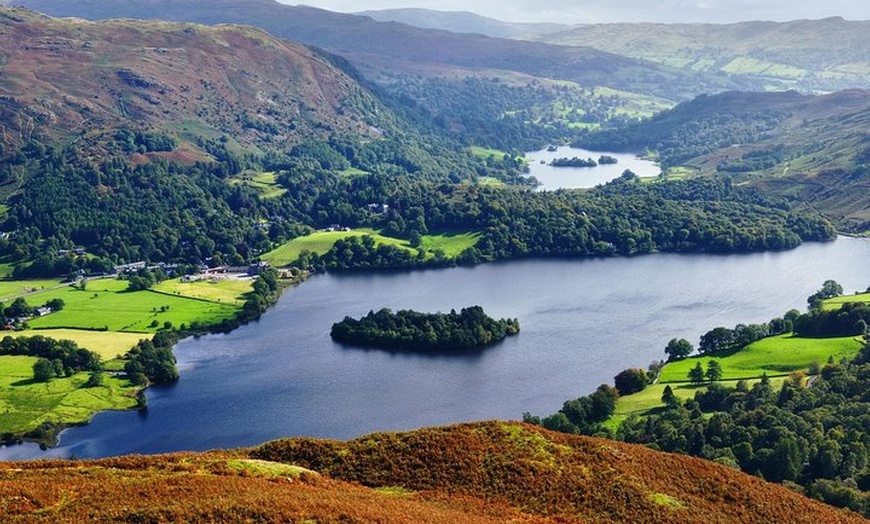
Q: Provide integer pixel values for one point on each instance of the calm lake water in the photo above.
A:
(583, 177)
(582, 322)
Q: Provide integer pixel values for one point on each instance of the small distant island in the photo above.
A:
(409, 330)
(582, 162)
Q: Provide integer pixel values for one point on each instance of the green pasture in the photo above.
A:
(774, 356)
(108, 344)
(485, 152)
(651, 397)
(265, 183)
(837, 302)
(322, 241)
(26, 405)
(451, 243)
(221, 290)
(105, 305)
(12, 289)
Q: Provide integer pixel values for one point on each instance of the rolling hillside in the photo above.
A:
(476, 473)
(825, 55)
(463, 22)
(813, 149)
(75, 82)
(378, 47)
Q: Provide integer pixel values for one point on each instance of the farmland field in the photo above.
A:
(778, 355)
(26, 405)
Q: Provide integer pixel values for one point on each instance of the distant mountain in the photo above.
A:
(463, 22)
(379, 47)
(71, 81)
(826, 55)
(814, 149)
(491, 472)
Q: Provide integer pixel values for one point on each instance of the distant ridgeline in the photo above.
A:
(410, 330)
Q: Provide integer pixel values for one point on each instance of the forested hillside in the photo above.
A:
(811, 149)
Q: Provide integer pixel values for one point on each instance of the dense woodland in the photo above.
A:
(410, 330)
(165, 211)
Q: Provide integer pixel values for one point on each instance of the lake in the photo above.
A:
(582, 321)
(552, 178)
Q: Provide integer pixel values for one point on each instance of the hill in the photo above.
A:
(378, 47)
(813, 149)
(463, 22)
(77, 82)
(810, 55)
(484, 472)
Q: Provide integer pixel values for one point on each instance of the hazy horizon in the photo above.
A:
(601, 11)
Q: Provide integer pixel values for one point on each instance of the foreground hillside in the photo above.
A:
(484, 472)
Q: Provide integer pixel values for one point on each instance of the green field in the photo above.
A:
(778, 355)
(108, 344)
(105, 305)
(26, 405)
(451, 243)
(775, 356)
(221, 290)
(484, 152)
(320, 242)
(837, 302)
(265, 183)
(12, 289)
(651, 398)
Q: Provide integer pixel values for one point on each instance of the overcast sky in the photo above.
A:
(591, 11)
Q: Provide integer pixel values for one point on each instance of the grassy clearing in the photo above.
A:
(651, 398)
(12, 289)
(352, 172)
(26, 405)
(266, 468)
(778, 355)
(451, 243)
(265, 183)
(220, 290)
(105, 306)
(108, 344)
(484, 152)
(490, 181)
(322, 241)
(837, 302)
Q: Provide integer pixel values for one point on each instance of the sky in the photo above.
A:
(601, 11)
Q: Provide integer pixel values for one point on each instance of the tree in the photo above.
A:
(678, 349)
(630, 381)
(696, 374)
(43, 370)
(55, 304)
(669, 399)
(830, 289)
(716, 339)
(714, 371)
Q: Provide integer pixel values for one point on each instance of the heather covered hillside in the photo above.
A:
(476, 473)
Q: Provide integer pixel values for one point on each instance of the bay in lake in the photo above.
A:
(582, 322)
(552, 178)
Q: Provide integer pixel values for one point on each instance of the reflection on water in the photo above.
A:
(552, 178)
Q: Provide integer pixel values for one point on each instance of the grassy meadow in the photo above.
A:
(223, 291)
(107, 344)
(777, 357)
(320, 242)
(837, 302)
(26, 405)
